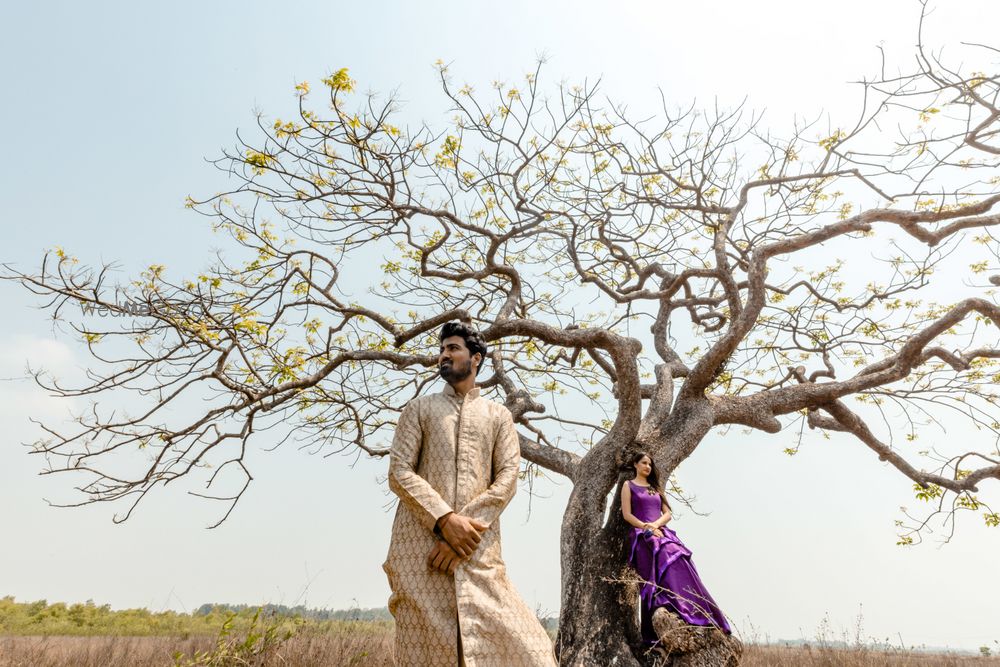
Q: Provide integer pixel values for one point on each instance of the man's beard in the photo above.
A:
(453, 374)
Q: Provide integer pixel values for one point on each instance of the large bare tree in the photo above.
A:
(641, 283)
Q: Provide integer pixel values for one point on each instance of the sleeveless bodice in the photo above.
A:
(646, 506)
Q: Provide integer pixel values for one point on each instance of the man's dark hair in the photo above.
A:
(473, 339)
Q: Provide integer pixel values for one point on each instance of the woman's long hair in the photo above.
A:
(654, 476)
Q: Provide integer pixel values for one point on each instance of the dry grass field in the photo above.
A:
(375, 649)
(360, 650)
(38, 634)
(776, 656)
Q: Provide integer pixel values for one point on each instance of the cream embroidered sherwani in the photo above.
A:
(456, 454)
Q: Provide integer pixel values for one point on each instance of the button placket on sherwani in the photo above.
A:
(459, 426)
(461, 599)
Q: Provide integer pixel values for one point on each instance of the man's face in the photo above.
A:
(454, 360)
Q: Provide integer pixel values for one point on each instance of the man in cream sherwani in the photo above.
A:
(454, 465)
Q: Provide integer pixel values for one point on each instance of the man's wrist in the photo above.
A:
(439, 523)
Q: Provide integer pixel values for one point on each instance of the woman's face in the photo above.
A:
(644, 466)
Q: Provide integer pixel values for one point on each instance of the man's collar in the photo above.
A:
(450, 391)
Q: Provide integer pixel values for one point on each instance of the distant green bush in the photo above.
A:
(88, 619)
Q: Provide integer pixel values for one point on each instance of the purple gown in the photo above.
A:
(664, 563)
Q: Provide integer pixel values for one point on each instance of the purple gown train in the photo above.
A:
(664, 563)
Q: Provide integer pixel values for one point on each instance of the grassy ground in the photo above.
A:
(305, 650)
(775, 656)
(374, 649)
(42, 635)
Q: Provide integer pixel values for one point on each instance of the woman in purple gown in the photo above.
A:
(660, 558)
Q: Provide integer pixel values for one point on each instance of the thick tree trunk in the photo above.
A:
(599, 622)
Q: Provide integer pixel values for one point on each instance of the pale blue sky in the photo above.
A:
(109, 112)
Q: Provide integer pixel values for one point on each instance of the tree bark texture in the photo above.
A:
(599, 624)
